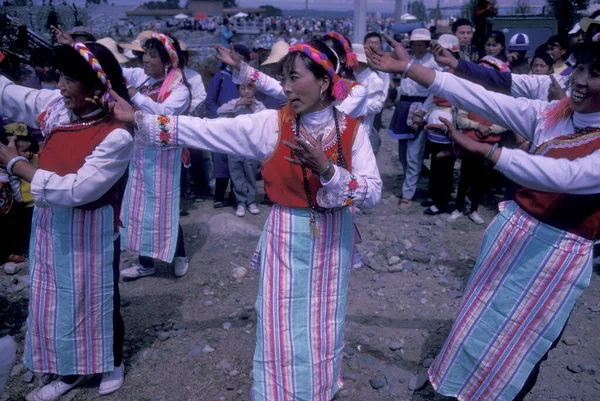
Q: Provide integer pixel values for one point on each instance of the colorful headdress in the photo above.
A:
(340, 87)
(174, 75)
(93, 62)
(351, 59)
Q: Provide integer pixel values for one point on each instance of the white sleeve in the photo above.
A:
(252, 136)
(20, 103)
(579, 176)
(135, 76)
(520, 115)
(227, 108)
(376, 95)
(101, 170)
(362, 187)
(176, 103)
(198, 91)
(264, 83)
(355, 104)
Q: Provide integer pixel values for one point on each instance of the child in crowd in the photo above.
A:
(243, 171)
(541, 64)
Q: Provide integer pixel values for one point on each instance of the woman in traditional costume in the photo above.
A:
(316, 163)
(74, 327)
(150, 213)
(536, 255)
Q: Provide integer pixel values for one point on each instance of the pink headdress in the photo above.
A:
(351, 58)
(174, 75)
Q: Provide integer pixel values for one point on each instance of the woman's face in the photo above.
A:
(555, 51)
(539, 67)
(74, 94)
(303, 89)
(492, 48)
(419, 48)
(585, 89)
(153, 65)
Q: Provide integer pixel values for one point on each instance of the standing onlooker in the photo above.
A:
(559, 48)
(221, 90)
(411, 143)
(517, 54)
(45, 74)
(484, 10)
(374, 40)
(576, 38)
(243, 171)
(226, 34)
(541, 64)
(375, 93)
(463, 30)
(495, 46)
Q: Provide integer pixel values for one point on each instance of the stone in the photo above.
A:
(226, 326)
(570, 340)
(226, 225)
(180, 332)
(16, 370)
(208, 303)
(428, 362)
(224, 365)
(395, 346)
(595, 308)
(234, 373)
(393, 260)
(179, 326)
(163, 335)
(208, 349)
(455, 294)
(239, 272)
(350, 376)
(195, 352)
(348, 350)
(230, 386)
(12, 268)
(378, 382)
(27, 377)
(156, 323)
(396, 268)
(590, 368)
(407, 244)
(418, 381)
(574, 368)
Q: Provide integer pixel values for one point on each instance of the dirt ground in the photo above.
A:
(192, 338)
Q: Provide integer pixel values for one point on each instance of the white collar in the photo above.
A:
(318, 118)
(361, 76)
(586, 120)
(74, 117)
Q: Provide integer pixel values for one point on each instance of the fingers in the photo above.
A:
(447, 123)
(12, 142)
(554, 81)
(293, 161)
(391, 41)
(293, 147)
(115, 96)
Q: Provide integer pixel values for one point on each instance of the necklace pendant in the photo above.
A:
(314, 231)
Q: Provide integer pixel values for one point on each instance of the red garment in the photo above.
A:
(65, 150)
(492, 138)
(284, 183)
(577, 214)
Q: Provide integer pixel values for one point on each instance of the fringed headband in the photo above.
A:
(351, 58)
(93, 62)
(340, 87)
(169, 47)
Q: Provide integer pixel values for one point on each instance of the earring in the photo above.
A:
(322, 94)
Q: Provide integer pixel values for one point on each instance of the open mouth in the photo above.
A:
(578, 96)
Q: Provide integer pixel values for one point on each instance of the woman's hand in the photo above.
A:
(394, 62)
(443, 56)
(461, 139)
(483, 131)
(310, 154)
(118, 107)
(7, 153)
(225, 56)
(60, 36)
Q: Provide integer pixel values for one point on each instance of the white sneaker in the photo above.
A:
(357, 261)
(112, 381)
(137, 271)
(240, 211)
(476, 218)
(55, 389)
(253, 209)
(455, 215)
(180, 266)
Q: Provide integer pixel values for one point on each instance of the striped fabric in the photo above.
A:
(150, 212)
(301, 305)
(70, 323)
(526, 281)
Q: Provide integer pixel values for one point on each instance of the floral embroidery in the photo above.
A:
(164, 136)
(254, 78)
(352, 186)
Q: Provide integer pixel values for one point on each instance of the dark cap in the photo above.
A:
(243, 50)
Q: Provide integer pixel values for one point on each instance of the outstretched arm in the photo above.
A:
(24, 104)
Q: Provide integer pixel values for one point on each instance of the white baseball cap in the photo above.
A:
(449, 42)
(359, 50)
(575, 29)
(420, 34)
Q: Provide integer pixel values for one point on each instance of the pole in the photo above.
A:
(398, 11)
(360, 21)
(305, 8)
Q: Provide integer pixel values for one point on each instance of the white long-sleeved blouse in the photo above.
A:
(196, 88)
(101, 170)
(177, 102)
(354, 105)
(255, 136)
(376, 93)
(525, 116)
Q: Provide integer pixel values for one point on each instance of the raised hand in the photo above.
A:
(121, 109)
(225, 56)
(8, 152)
(443, 56)
(394, 62)
(555, 92)
(61, 36)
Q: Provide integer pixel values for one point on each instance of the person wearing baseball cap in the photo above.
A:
(591, 26)
(518, 45)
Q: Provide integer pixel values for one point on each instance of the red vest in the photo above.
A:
(493, 138)
(577, 214)
(65, 150)
(283, 180)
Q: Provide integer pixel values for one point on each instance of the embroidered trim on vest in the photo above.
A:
(567, 142)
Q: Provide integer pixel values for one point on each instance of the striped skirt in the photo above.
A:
(150, 212)
(526, 281)
(301, 305)
(70, 322)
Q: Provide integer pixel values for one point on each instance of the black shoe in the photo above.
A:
(427, 203)
(433, 211)
(218, 205)
(184, 213)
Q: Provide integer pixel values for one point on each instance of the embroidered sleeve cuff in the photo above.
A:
(242, 76)
(157, 130)
(504, 160)
(38, 183)
(344, 189)
(437, 85)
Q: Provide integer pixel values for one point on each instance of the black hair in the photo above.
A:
(70, 63)
(156, 44)
(563, 41)
(33, 145)
(544, 56)
(589, 53)
(225, 21)
(498, 36)
(372, 35)
(41, 57)
(289, 61)
(338, 48)
(460, 22)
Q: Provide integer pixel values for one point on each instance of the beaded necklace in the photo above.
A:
(76, 124)
(341, 161)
